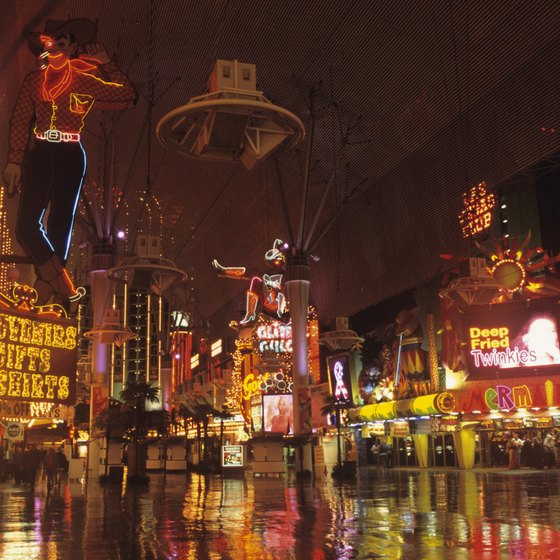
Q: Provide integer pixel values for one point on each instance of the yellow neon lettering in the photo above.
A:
(50, 382)
(58, 336)
(45, 364)
(20, 355)
(25, 337)
(25, 391)
(10, 360)
(63, 387)
(250, 386)
(33, 355)
(14, 388)
(37, 333)
(37, 386)
(48, 334)
(13, 323)
(71, 338)
(3, 381)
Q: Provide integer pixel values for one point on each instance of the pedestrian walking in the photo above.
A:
(375, 449)
(50, 464)
(550, 450)
(513, 448)
(31, 462)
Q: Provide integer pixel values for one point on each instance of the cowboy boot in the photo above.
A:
(251, 307)
(44, 291)
(53, 273)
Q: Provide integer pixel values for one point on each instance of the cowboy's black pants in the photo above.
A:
(53, 173)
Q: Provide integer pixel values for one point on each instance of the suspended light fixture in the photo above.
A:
(342, 337)
(147, 269)
(111, 331)
(233, 122)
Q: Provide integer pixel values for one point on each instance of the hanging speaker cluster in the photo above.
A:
(233, 122)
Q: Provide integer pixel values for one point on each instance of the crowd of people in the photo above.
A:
(24, 464)
(382, 454)
(531, 451)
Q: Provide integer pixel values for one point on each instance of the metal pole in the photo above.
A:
(298, 296)
(307, 172)
(101, 293)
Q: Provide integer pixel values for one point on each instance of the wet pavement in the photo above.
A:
(397, 514)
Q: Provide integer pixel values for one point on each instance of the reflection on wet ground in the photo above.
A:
(384, 514)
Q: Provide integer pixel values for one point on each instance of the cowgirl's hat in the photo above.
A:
(275, 253)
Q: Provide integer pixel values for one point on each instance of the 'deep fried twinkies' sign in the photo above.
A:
(509, 340)
(38, 358)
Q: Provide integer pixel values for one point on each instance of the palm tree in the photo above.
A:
(135, 395)
(112, 420)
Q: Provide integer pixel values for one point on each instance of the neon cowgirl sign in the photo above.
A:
(339, 378)
(266, 289)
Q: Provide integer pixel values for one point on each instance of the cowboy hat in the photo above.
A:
(82, 30)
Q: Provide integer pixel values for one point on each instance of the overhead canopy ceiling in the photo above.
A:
(433, 96)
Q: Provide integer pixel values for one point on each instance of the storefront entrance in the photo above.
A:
(404, 453)
(441, 451)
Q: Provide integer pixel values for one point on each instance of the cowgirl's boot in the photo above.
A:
(251, 307)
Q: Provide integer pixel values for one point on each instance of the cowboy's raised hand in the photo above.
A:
(95, 52)
(12, 178)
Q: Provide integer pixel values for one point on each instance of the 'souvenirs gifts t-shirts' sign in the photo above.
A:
(38, 358)
(512, 339)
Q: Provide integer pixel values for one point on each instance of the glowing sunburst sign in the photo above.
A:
(476, 215)
(510, 274)
(515, 266)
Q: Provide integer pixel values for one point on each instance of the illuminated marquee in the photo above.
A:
(29, 410)
(275, 337)
(339, 378)
(510, 338)
(497, 341)
(37, 359)
(476, 215)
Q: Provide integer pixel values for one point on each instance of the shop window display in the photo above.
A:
(441, 451)
(404, 452)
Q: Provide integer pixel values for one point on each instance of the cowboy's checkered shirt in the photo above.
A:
(67, 112)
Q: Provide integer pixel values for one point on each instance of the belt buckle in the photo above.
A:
(54, 135)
